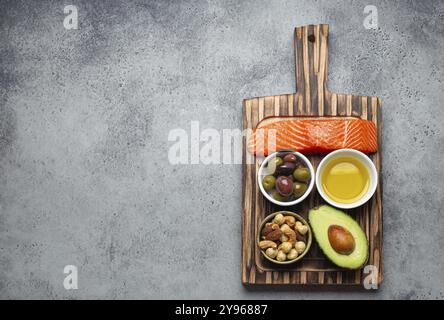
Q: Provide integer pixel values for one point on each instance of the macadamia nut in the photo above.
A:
(279, 219)
(285, 247)
(271, 252)
(300, 246)
(281, 256)
(293, 254)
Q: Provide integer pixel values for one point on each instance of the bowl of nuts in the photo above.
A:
(284, 237)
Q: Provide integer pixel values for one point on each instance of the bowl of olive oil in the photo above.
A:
(346, 178)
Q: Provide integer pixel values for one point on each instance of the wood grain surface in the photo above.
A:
(311, 98)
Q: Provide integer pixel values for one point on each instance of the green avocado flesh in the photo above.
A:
(321, 218)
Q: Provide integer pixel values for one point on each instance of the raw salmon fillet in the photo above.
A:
(313, 135)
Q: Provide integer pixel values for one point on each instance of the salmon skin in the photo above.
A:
(313, 135)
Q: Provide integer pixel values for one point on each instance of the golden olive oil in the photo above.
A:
(345, 179)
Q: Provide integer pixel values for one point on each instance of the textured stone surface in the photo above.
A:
(84, 122)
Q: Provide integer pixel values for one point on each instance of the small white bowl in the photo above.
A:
(261, 175)
(365, 160)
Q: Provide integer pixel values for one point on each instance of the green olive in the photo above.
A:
(268, 182)
(277, 196)
(299, 189)
(302, 174)
(278, 161)
(273, 164)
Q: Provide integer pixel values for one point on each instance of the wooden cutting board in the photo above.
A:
(311, 98)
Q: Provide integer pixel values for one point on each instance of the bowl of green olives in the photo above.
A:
(286, 178)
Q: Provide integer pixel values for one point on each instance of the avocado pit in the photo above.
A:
(341, 239)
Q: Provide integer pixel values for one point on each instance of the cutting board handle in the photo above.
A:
(311, 59)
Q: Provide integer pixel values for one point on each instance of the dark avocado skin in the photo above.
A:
(320, 218)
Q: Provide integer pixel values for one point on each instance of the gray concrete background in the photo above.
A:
(84, 122)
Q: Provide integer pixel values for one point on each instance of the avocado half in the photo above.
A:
(321, 218)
